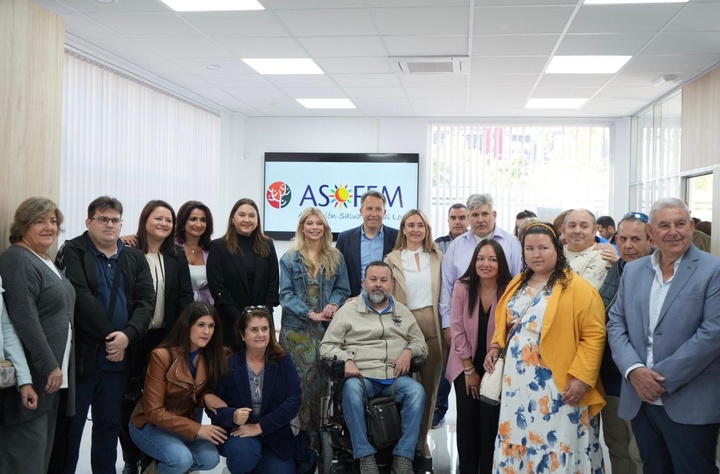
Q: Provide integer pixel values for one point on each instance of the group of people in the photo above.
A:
(152, 328)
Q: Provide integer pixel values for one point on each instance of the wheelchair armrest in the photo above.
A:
(336, 368)
(417, 363)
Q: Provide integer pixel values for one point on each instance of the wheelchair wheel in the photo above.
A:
(327, 453)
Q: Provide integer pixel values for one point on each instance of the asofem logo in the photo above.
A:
(278, 194)
(346, 195)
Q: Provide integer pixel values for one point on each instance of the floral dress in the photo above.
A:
(538, 432)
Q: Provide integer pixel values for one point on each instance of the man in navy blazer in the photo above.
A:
(368, 243)
(664, 332)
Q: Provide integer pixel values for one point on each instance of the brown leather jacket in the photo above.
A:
(171, 395)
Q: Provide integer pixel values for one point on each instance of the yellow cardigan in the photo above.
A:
(572, 337)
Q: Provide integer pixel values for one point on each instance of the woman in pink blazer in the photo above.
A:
(472, 325)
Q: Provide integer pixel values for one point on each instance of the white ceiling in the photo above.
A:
(510, 44)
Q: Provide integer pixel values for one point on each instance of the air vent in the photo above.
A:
(431, 65)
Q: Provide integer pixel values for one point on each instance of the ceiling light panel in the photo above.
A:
(326, 103)
(283, 65)
(619, 2)
(212, 5)
(586, 64)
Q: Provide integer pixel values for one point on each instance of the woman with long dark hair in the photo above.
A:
(182, 370)
(472, 324)
(553, 323)
(192, 234)
(242, 267)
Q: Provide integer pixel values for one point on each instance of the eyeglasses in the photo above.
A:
(250, 309)
(106, 220)
(637, 215)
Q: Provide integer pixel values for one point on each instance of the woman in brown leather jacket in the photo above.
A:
(181, 371)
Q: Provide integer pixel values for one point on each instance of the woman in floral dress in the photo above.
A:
(551, 394)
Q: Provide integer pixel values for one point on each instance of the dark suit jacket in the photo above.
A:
(348, 243)
(178, 287)
(280, 402)
(230, 288)
(686, 350)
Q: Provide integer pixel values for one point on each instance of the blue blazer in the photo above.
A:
(280, 402)
(348, 243)
(686, 340)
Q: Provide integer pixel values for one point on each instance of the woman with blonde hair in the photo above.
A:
(415, 263)
(313, 285)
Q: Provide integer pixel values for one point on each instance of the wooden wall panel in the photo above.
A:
(31, 91)
(701, 122)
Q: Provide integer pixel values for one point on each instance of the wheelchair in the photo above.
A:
(335, 453)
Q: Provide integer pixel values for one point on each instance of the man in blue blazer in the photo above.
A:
(664, 332)
(368, 243)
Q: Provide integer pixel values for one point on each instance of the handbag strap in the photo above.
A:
(367, 397)
(516, 324)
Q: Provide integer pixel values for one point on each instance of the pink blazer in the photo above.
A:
(464, 330)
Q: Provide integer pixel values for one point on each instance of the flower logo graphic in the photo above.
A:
(278, 194)
(340, 196)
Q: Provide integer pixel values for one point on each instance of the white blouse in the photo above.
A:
(157, 268)
(418, 282)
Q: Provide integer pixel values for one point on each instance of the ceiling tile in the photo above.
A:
(706, 42)
(421, 21)
(427, 45)
(188, 80)
(262, 47)
(634, 18)
(439, 111)
(603, 44)
(93, 6)
(160, 67)
(246, 93)
(502, 80)
(671, 64)
(377, 103)
(502, 3)
(86, 28)
(415, 3)
(237, 80)
(227, 66)
(514, 45)
(315, 93)
(124, 48)
(302, 80)
(648, 93)
(437, 102)
(521, 19)
(387, 112)
(698, 16)
(183, 47)
(366, 80)
(212, 93)
(433, 80)
(343, 46)
(354, 65)
(236, 24)
(564, 92)
(434, 92)
(351, 22)
(508, 64)
(375, 92)
(499, 93)
(311, 4)
(147, 25)
(643, 79)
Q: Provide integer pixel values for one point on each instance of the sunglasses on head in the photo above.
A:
(250, 309)
(637, 215)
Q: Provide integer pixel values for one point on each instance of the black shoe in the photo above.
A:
(131, 468)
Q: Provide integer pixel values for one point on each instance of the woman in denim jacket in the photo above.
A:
(313, 285)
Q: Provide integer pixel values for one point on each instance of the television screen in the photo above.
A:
(335, 182)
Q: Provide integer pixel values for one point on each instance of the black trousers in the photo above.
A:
(667, 447)
(477, 427)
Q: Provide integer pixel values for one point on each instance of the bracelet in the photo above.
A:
(469, 370)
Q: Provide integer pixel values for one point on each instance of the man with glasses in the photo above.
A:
(664, 329)
(633, 242)
(114, 306)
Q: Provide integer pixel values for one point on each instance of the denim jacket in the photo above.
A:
(293, 291)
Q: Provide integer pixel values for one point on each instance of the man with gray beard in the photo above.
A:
(377, 338)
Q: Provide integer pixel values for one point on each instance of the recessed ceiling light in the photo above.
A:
(615, 2)
(586, 64)
(554, 103)
(326, 103)
(212, 5)
(283, 65)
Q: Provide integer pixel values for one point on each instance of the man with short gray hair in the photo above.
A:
(664, 329)
(457, 258)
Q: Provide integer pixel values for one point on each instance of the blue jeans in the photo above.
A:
(442, 402)
(174, 454)
(248, 455)
(408, 393)
(104, 391)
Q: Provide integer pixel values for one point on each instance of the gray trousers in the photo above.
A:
(26, 447)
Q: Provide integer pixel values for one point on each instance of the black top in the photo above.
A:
(481, 350)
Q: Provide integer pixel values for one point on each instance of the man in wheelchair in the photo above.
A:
(377, 338)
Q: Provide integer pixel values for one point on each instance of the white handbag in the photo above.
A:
(491, 383)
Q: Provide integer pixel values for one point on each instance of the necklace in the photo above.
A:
(44, 256)
(192, 250)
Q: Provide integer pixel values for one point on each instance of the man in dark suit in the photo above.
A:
(664, 329)
(368, 243)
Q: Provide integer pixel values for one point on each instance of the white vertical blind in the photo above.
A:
(128, 140)
(545, 169)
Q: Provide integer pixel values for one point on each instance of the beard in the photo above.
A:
(377, 296)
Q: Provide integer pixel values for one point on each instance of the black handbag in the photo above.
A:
(384, 427)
